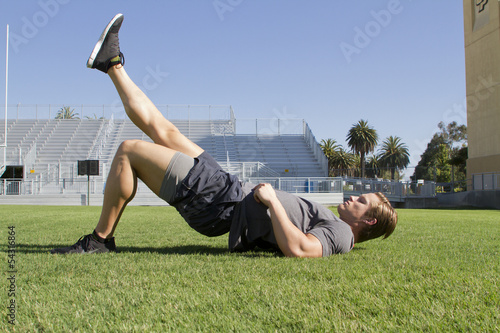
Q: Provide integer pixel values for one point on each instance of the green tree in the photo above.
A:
(394, 154)
(343, 162)
(362, 139)
(443, 166)
(66, 113)
(340, 162)
(330, 148)
(453, 134)
(372, 166)
(447, 148)
(458, 163)
(93, 117)
(427, 164)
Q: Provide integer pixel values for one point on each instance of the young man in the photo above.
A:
(212, 201)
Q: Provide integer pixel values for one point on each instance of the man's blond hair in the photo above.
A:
(386, 217)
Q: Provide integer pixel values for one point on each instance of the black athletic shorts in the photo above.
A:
(207, 196)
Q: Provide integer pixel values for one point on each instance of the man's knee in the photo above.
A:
(128, 146)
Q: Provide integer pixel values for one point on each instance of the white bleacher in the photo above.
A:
(58, 135)
(67, 141)
(31, 137)
(81, 141)
(280, 153)
(17, 131)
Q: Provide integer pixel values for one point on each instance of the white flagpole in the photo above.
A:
(6, 91)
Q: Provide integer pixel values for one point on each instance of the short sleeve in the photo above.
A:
(336, 237)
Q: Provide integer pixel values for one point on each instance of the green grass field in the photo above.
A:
(439, 271)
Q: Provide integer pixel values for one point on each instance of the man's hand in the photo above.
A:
(264, 193)
(291, 241)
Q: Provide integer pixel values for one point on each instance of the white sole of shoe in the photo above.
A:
(97, 46)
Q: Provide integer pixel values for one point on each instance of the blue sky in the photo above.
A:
(398, 64)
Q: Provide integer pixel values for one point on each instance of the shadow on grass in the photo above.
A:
(32, 248)
(185, 249)
(178, 250)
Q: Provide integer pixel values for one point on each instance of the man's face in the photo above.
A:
(355, 209)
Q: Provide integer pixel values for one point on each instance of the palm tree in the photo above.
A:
(394, 154)
(66, 113)
(93, 117)
(330, 148)
(373, 165)
(362, 139)
(343, 161)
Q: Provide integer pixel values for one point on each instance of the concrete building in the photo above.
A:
(482, 57)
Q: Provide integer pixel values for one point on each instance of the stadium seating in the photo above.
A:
(41, 143)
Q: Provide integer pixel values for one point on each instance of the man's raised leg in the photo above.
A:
(107, 57)
(147, 117)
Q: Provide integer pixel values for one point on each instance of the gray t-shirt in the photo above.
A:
(251, 226)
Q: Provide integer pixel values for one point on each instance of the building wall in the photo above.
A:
(482, 60)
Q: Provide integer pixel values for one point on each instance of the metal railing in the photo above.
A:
(80, 185)
(88, 111)
(269, 126)
(317, 151)
(302, 184)
(62, 186)
(97, 184)
(452, 187)
(245, 170)
(392, 189)
(396, 191)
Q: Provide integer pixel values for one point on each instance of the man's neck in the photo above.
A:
(356, 228)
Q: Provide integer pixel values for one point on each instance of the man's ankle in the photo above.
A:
(101, 238)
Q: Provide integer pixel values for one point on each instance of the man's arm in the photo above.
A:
(291, 241)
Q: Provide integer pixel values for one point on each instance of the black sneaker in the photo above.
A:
(106, 52)
(87, 245)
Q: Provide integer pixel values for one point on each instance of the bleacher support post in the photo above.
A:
(88, 168)
(88, 190)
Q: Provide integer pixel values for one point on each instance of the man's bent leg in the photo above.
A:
(147, 117)
(134, 159)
